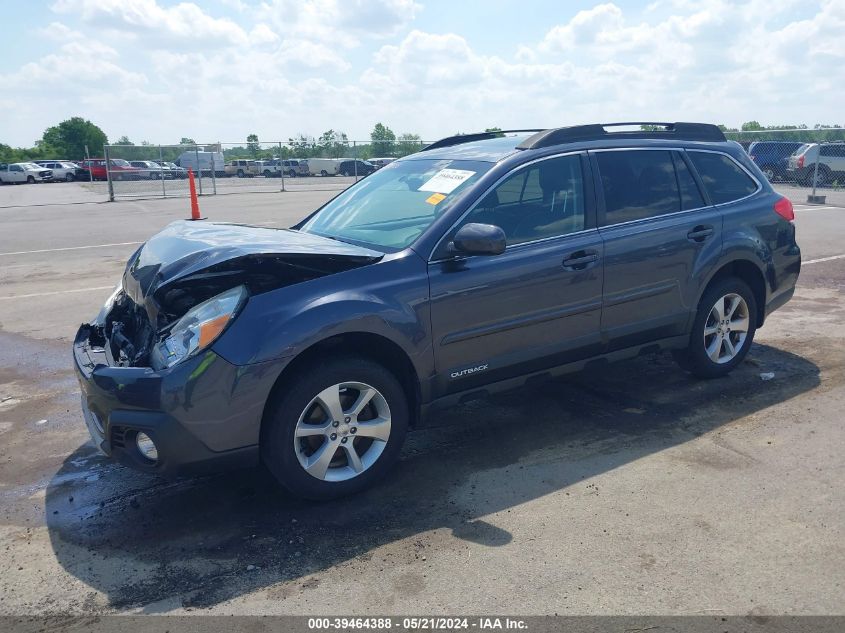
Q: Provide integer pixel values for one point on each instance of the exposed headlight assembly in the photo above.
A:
(199, 328)
(109, 304)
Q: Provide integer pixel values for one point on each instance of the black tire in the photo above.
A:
(324, 173)
(267, 173)
(70, 177)
(240, 173)
(695, 358)
(291, 174)
(278, 450)
(30, 180)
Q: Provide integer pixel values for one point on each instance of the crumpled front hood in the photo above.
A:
(224, 255)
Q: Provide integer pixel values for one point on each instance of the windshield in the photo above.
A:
(394, 205)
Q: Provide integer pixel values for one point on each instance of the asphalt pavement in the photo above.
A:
(634, 490)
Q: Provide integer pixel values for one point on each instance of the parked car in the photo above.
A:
(291, 168)
(120, 169)
(203, 163)
(16, 173)
(175, 170)
(378, 163)
(831, 159)
(324, 166)
(481, 263)
(242, 168)
(151, 170)
(65, 170)
(772, 157)
(355, 167)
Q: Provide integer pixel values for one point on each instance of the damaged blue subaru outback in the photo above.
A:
(482, 262)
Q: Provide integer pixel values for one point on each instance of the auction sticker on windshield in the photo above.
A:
(446, 180)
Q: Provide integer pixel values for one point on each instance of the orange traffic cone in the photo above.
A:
(195, 205)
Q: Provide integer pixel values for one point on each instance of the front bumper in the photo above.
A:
(203, 414)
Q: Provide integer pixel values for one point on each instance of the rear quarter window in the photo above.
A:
(723, 179)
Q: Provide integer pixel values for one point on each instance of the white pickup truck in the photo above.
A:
(16, 173)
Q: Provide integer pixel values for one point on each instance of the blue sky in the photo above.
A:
(218, 70)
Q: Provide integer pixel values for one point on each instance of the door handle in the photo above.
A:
(580, 260)
(700, 233)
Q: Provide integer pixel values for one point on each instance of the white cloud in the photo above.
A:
(184, 21)
(59, 32)
(339, 22)
(280, 66)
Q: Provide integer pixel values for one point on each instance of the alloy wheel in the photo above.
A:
(342, 432)
(726, 328)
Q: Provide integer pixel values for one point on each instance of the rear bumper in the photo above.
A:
(203, 414)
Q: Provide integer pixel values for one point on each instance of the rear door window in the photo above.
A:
(723, 178)
(638, 184)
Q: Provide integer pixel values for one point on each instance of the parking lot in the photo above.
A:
(633, 490)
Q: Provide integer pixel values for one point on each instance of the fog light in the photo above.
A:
(146, 446)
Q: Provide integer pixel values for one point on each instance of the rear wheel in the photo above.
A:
(291, 174)
(722, 331)
(336, 429)
(324, 173)
(241, 173)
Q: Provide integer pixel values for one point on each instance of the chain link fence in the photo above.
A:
(807, 165)
(150, 171)
(306, 164)
(804, 164)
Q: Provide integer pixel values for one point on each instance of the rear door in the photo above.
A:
(536, 305)
(833, 155)
(659, 233)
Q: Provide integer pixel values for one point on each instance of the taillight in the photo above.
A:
(801, 161)
(783, 208)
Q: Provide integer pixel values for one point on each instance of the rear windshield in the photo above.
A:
(392, 207)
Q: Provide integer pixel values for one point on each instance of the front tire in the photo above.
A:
(30, 180)
(723, 330)
(335, 429)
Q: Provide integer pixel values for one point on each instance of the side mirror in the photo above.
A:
(478, 239)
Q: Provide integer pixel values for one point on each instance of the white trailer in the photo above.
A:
(324, 166)
(203, 162)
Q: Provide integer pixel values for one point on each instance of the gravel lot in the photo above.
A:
(636, 490)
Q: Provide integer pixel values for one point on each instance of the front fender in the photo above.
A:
(389, 299)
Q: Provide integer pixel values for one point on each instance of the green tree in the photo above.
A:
(332, 143)
(751, 126)
(408, 144)
(383, 140)
(123, 140)
(187, 141)
(303, 146)
(70, 137)
(252, 144)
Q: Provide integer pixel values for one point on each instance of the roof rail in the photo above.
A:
(598, 131)
(469, 138)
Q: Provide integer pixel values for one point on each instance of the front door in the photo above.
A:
(536, 305)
